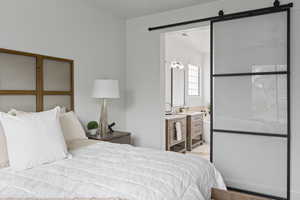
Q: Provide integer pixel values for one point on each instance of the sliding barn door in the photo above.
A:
(250, 102)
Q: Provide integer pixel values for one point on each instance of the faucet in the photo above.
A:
(170, 108)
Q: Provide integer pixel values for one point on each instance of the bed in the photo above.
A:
(96, 169)
(106, 170)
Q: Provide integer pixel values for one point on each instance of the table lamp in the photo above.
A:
(105, 89)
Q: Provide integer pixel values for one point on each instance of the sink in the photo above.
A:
(191, 113)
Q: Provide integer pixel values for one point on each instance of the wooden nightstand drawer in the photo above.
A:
(122, 140)
(115, 137)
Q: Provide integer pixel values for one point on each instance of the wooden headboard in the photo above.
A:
(34, 82)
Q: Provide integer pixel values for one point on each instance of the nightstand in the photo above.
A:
(115, 137)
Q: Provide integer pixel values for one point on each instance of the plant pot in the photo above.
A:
(93, 132)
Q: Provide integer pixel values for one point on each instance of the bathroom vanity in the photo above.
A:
(194, 130)
(191, 128)
(174, 142)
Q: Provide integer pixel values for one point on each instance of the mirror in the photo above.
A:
(182, 86)
(178, 87)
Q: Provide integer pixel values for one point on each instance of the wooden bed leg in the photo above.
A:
(217, 194)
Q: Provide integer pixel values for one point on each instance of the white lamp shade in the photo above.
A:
(106, 89)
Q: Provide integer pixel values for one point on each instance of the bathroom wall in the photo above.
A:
(185, 50)
(206, 79)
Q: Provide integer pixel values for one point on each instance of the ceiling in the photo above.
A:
(197, 38)
(136, 8)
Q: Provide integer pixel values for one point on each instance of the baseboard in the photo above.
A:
(295, 195)
(263, 189)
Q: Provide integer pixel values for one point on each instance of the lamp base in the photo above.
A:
(103, 122)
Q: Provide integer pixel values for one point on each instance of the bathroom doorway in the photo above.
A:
(187, 91)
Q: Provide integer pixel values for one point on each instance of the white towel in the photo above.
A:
(178, 131)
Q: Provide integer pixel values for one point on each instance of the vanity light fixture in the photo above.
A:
(177, 65)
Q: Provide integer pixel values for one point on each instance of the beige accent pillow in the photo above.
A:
(79, 143)
(3, 149)
(71, 127)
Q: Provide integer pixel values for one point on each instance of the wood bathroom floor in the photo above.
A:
(202, 150)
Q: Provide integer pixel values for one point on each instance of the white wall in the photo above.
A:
(206, 79)
(145, 77)
(71, 29)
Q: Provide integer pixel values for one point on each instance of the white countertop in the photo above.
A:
(190, 113)
(177, 116)
(182, 115)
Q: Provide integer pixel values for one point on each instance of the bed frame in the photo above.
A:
(217, 194)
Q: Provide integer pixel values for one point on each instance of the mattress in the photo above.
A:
(106, 170)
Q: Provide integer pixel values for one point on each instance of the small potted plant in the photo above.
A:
(92, 128)
(209, 108)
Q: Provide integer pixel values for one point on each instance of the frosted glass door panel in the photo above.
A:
(19, 102)
(57, 75)
(51, 101)
(17, 72)
(252, 44)
(254, 163)
(251, 103)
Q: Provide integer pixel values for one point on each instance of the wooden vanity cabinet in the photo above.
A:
(194, 131)
(172, 144)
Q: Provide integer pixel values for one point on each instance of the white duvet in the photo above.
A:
(106, 170)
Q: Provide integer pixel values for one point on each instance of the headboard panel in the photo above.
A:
(33, 82)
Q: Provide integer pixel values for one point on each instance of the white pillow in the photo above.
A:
(15, 112)
(3, 149)
(71, 127)
(33, 139)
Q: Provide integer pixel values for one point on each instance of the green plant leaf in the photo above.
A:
(92, 125)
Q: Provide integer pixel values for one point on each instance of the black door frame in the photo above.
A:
(286, 136)
(249, 13)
